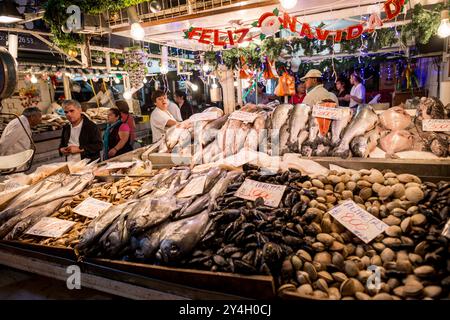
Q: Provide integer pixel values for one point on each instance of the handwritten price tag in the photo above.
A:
(204, 116)
(91, 207)
(446, 231)
(119, 165)
(50, 227)
(361, 223)
(436, 125)
(327, 112)
(243, 116)
(194, 187)
(252, 190)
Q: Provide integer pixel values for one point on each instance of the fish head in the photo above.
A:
(172, 251)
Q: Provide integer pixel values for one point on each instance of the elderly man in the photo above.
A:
(80, 138)
(315, 92)
(14, 138)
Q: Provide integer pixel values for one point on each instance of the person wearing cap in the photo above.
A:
(127, 118)
(315, 91)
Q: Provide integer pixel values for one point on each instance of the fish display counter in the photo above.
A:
(298, 230)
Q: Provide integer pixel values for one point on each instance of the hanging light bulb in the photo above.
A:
(145, 80)
(288, 4)
(194, 87)
(33, 79)
(444, 28)
(155, 6)
(116, 80)
(214, 86)
(205, 67)
(236, 83)
(137, 32)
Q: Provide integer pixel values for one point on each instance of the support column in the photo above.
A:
(66, 83)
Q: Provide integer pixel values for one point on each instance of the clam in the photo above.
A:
(414, 194)
(339, 276)
(432, 291)
(310, 270)
(387, 255)
(406, 178)
(321, 284)
(317, 183)
(305, 289)
(319, 294)
(287, 287)
(296, 262)
(362, 296)
(399, 190)
(303, 277)
(351, 185)
(325, 276)
(393, 231)
(405, 225)
(334, 293)
(385, 192)
(350, 286)
(424, 271)
(351, 269)
(325, 238)
(382, 296)
(347, 195)
(391, 242)
(413, 288)
(418, 219)
(392, 220)
(324, 258)
(305, 256)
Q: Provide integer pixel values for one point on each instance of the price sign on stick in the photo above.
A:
(252, 190)
(327, 112)
(194, 187)
(360, 222)
(91, 207)
(442, 125)
(50, 227)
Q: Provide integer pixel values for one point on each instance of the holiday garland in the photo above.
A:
(136, 65)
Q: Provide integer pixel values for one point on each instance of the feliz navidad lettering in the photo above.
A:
(271, 22)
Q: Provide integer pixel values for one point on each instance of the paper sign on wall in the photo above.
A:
(194, 187)
(441, 125)
(252, 190)
(204, 116)
(327, 112)
(360, 222)
(91, 207)
(50, 227)
(243, 116)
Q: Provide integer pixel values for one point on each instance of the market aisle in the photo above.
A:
(18, 285)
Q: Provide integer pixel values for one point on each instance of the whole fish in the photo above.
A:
(179, 238)
(302, 136)
(364, 121)
(252, 140)
(279, 118)
(116, 237)
(241, 135)
(210, 151)
(313, 131)
(211, 130)
(149, 213)
(284, 139)
(99, 225)
(230, 137)
(153, 183)
(338, 126)
(395, 118)
(146, 245)
(173, 134)
(17, 225)
(221, 186)
(221, 135)
(298, 122)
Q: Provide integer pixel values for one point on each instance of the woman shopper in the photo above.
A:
(116, 138)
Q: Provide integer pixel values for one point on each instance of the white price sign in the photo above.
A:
(119, 165)
(360, 222)
(91, 207)
(252, 190)
(327, 112)
(194, 187)
(436, 125)
(243, 116)
(204, 116)
(50, 227)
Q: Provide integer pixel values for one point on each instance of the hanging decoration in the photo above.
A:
(286, 86)
(136, 65)
(272, 22)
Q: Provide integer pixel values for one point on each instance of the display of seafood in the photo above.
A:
(283, 128)
(114, 192)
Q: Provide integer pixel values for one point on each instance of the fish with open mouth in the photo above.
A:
(364, 121)
(179, 238)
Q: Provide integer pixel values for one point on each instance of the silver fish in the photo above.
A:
(338, 126)
(252, 140)
(211, 130)
(302, 136)
(146, 245)
(179, 238)
(284, 139)
(321, 150)
(221, 186)
(99, 225)
(172, 136)
(298, 121)
(279, 118)
(28, 218)
(313, 131)
(364, 121)
(230, 137)
(241, 135)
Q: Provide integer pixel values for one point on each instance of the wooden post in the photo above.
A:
(239, 90)
(227, 82)
(66, 83)
(108, 61)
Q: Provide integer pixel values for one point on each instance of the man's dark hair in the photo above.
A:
(156, 94)
(31, 111)
(181, 94)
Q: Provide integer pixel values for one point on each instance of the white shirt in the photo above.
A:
(74, 140)
(317, 94)
(158, 121)
(358, 91)
(174, 111)
(14, 139)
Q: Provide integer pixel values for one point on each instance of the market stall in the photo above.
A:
(259, 200)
